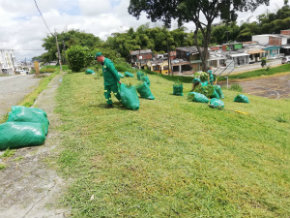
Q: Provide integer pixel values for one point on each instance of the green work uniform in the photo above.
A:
(211, 77)
(111, 79)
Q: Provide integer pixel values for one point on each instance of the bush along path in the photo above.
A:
(172, 157)
(29, 185)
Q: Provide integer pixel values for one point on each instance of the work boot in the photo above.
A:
(109, 106)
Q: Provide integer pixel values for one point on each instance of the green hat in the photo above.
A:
(98, 54)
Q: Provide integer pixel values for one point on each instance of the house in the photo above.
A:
(7, 61)
(217, 59)
(240, 58)
(285, 50)
(189, 53)
(270, 39)
(272, 52)
(141, 57)
(234, 46)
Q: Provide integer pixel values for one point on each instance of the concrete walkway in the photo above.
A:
(29, 187)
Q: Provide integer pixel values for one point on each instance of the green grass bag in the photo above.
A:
(218, 89)
(129, 97)
(90, 71)
(241, 99)
(178, 89)
(26, 114)
(139, 75)
(121, 75)
(197, 97)
(144, 91)
(146, 80)
(216, 103)
(21, 134)
(128, 74)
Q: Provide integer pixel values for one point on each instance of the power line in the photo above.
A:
(55, 35)
(41, 15)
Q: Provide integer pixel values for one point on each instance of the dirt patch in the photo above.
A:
(28, 187)
(274, 87)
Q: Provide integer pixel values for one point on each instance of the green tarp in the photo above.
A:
(129, 97)
(216, 103)
(25, 114)
(241, 99)
(197, 97)
(144, 91)
(121, 75)
(139, 75)
(146, 80)
(90, 71)
(21, 134)
(128, 74)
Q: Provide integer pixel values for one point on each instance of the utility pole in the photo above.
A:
(58, 52)
(169, 64)
(229, 55)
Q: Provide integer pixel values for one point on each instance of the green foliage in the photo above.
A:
(8, 153)
(283, 118)
(78, 57)
(2, 166)
(208, 90)
(67, 40)
(48, 69)
(236, 87)
(203, 76)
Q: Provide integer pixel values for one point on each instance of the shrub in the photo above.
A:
(236, 87)
(78, 57)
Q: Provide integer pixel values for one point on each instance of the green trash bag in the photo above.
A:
(146, 80)
(21, 134)
(90, 71)
(178, 89)
(204, 83)
(215, 94)
(121, 75)
(26, 114)
(139, 75)
(128, 74)
(241, 99)
(129, 97)
(197, 97)
(144, 91)
(218, 89)
(216, 103)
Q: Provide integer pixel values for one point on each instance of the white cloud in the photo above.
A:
(22, 29)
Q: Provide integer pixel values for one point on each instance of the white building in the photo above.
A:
(7, 60)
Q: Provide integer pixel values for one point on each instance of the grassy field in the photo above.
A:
(172, 158)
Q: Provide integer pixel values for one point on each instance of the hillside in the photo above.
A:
(172, 158)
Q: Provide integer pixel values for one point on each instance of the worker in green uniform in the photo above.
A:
(211, 76)
(111, 79)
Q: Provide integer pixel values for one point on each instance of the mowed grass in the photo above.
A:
(172, 158)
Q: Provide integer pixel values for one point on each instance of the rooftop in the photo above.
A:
(136, 52)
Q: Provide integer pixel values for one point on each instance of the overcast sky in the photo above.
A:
(22, 29)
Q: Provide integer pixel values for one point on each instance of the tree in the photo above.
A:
(201, 12)
(66, 40)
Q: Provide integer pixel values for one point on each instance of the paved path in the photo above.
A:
(13, 89)
(274, 87)
(29, 187)
(255, 66)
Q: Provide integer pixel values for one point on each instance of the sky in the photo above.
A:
(22, 29)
